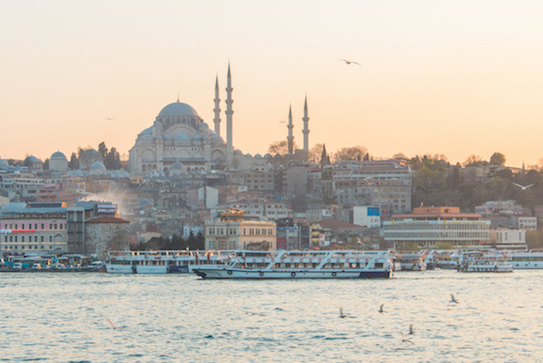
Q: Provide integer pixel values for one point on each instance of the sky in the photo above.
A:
(434, 77)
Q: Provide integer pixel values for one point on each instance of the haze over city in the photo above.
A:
(450, 77)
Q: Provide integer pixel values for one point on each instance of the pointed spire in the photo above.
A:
(305, 131)
(229, 112)
(290, 137)
(217, 109)
(178, 98)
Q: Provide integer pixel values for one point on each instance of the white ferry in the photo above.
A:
(302, 265)
(532, 259)
(162, 262)
(483, 261)
(411, 261)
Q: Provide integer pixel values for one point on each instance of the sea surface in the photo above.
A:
(97, 317)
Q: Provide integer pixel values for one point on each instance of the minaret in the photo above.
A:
(229, 113)
(306, 127)
(290, 138)
(217, 110)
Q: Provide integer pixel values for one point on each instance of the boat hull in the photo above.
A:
(289, 274)
(119, 269)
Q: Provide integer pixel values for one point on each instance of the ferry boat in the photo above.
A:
(532, 259)
(444, 259)
(483, 261)
(411, 261)
(162, 262)
(338, 264)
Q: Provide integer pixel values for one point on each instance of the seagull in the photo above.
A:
(349, 62)
(341, 315)
(381, 308)
(109, 118)
(406, 340)
(453, 300)
(523, 187)
(411, 332)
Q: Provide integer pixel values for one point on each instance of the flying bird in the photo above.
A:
(349, 62)
(381, 308)
(406, 340)
(109, 118)
(453, 300)
(523, 187)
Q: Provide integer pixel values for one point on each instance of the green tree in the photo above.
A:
(473, 161)
(280, 147)
(497, 159)
(350, 153)
(102, 150)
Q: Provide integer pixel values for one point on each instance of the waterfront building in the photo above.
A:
(33, 228)
(230, 229)
(366, 216)
(428, 227)
(508, 239)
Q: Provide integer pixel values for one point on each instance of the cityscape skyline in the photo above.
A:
(452, 78)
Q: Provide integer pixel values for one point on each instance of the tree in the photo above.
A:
(280, 147)
(325, 158)
(102, 150)
(497, 159)
(350, 153)
(112, 161)
(74, 162)
(473, 161)
(315, 153)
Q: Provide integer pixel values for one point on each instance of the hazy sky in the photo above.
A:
(449, 77)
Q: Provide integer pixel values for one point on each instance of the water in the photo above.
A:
(167, 318)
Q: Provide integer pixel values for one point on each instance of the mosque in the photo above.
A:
(180, 140)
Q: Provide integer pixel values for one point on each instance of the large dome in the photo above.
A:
(177, 109)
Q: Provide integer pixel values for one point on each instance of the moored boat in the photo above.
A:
(532, 259)
(483, 261)
(162, 262)
(302, 265)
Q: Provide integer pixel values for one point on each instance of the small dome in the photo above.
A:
(13, 207)
(197, 139)
(58, 155)
(268, 156)
(203, 126)
(168, 140)
(3, 164)
(237, 152)
(182, 137)
(177, 109)
(33, 159)
(144, 202)
(258, 156)
(97, 166)
(248, 155)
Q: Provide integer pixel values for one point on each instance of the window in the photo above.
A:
(42, 226)
(22, 226)
(50, 238)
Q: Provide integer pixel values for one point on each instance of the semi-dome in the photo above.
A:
(203, 126)
(168, 140)
(58, 155)
(216, 139)
(97, 166)
(147, 137)
(182, 137)
(177, 109)
(147, 131)
(3, 164)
